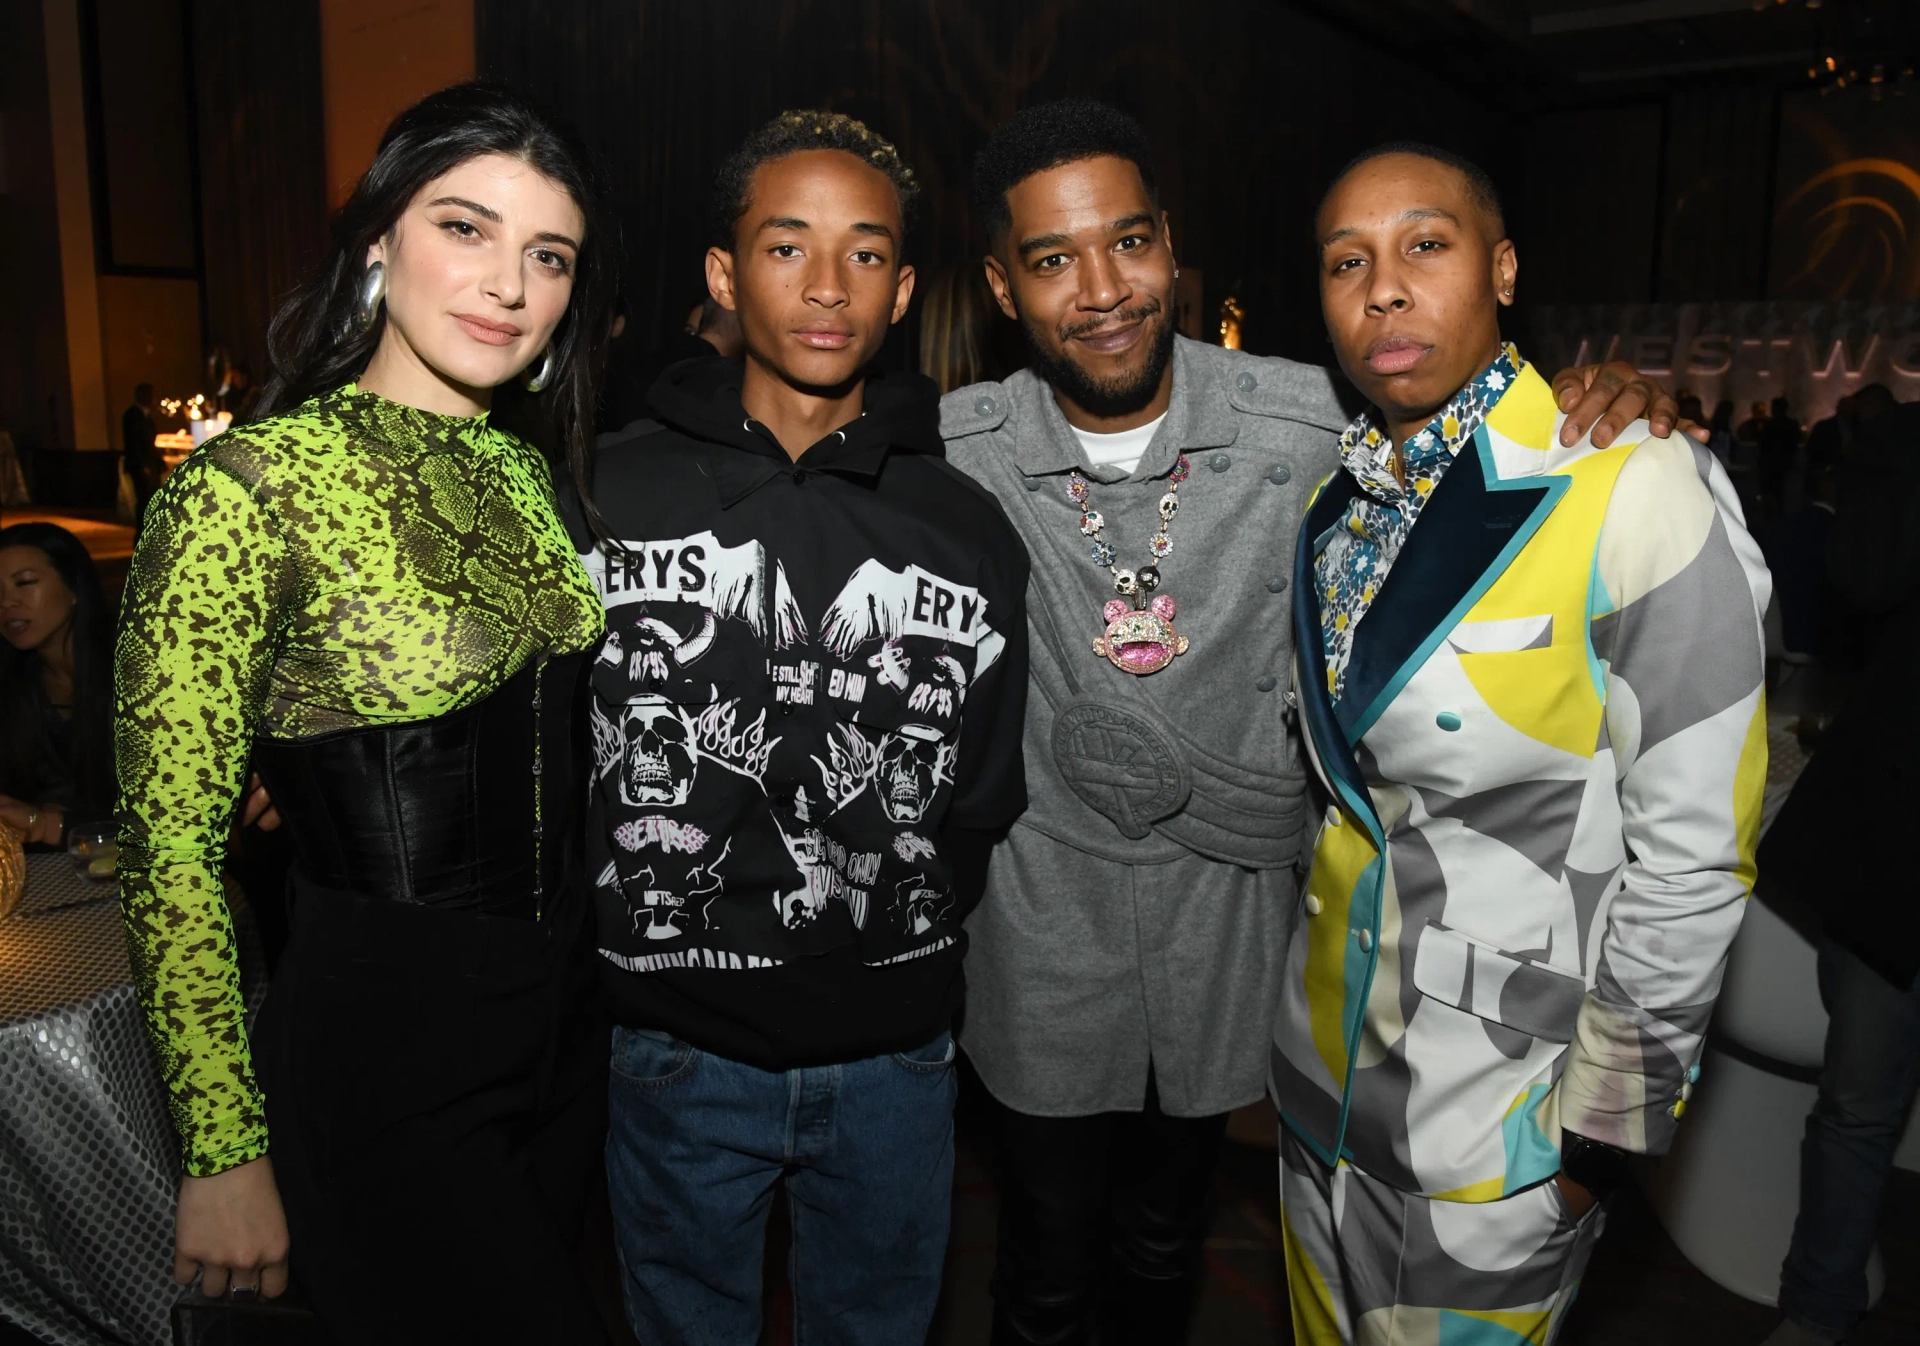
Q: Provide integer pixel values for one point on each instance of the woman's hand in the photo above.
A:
(231, 1232)
(1579, 1200)
(36, 825)
(259, 808)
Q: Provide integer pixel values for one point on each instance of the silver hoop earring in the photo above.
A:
(544, 375)
(373, 293)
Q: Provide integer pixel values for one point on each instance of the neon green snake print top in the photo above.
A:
(353, 562)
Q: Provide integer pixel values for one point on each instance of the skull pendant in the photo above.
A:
(1140, 640)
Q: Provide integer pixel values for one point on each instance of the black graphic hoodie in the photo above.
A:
(805, 720)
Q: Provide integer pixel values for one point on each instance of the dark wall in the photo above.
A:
(34, 397)
(140, 132)
(1720, 147)
(1591, 221)
(262, 152)
(1251, 106)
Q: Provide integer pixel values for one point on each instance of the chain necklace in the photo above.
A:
(1139, 638)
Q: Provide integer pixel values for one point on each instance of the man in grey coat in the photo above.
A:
(1124, 966)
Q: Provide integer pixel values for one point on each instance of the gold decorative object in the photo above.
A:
(1231, 316)
(13, 871)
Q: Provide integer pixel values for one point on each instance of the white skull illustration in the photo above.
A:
(658, 762)
(907, 773)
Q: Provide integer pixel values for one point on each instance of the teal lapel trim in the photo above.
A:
(1331, 748)
(1467, 535)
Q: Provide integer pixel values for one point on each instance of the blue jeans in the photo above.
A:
(1866, 1089)
(695, 1144)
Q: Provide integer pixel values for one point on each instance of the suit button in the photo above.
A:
(984, 406)
(1033, 483)
(1686, 1092)
(1447, 720)
(1693, 1073)
(1277, 585)
(1677, 1110)
(1246, 383)
(1314, 905)
(1220, 462)
(1366, 941)
(1281, 475)
(1268, 683)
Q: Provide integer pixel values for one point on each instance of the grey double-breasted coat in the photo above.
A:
(1139, 911)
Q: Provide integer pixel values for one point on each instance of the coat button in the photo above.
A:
(1686, 1092)
(1033, 483)
(1268, 683)
(1277, 585)
(1677, 1110)
(984, 406)
(1281, 475)
(1246, 383)
(1314, 905)
(1366, 941)
(1447, 720)
(1333, 816)
(1693, 1073)
(1220, 462)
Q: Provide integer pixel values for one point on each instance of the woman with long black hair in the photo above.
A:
(367, 596)
(56, 685)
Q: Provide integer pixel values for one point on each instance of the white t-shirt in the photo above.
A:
(1122, 450)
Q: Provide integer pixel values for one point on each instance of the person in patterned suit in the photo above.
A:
(1540, 716)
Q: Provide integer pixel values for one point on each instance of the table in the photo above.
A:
(89, 1166)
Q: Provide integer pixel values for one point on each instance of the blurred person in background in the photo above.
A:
(1720, 431)
(145, 466)
(632, 371)
(1828, 438)
(388, 622)
(56, 686)
(1779, 446)
(963, 336)
(1838, 846)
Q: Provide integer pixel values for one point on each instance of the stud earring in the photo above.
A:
(544, 375)
(373, 293)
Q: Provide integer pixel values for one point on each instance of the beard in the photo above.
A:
(1119, 395)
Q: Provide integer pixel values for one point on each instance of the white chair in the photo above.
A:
(1729, 1191)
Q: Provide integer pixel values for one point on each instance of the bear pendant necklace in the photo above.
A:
(1139, 638)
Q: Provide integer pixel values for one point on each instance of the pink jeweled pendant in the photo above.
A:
(1140, 641)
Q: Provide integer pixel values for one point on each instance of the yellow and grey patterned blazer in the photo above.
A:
(1547, 762)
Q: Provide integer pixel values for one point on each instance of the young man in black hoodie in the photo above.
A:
(806, 723)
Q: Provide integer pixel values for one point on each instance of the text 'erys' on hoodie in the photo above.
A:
(806, 722)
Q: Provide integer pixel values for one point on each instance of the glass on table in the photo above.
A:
(13, 870)
(95, 852)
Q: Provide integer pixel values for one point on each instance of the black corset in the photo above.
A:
(439, 812)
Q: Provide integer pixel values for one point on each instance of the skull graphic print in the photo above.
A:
(762, 773)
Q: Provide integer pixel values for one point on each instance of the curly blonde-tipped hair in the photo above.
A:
(789, 133)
